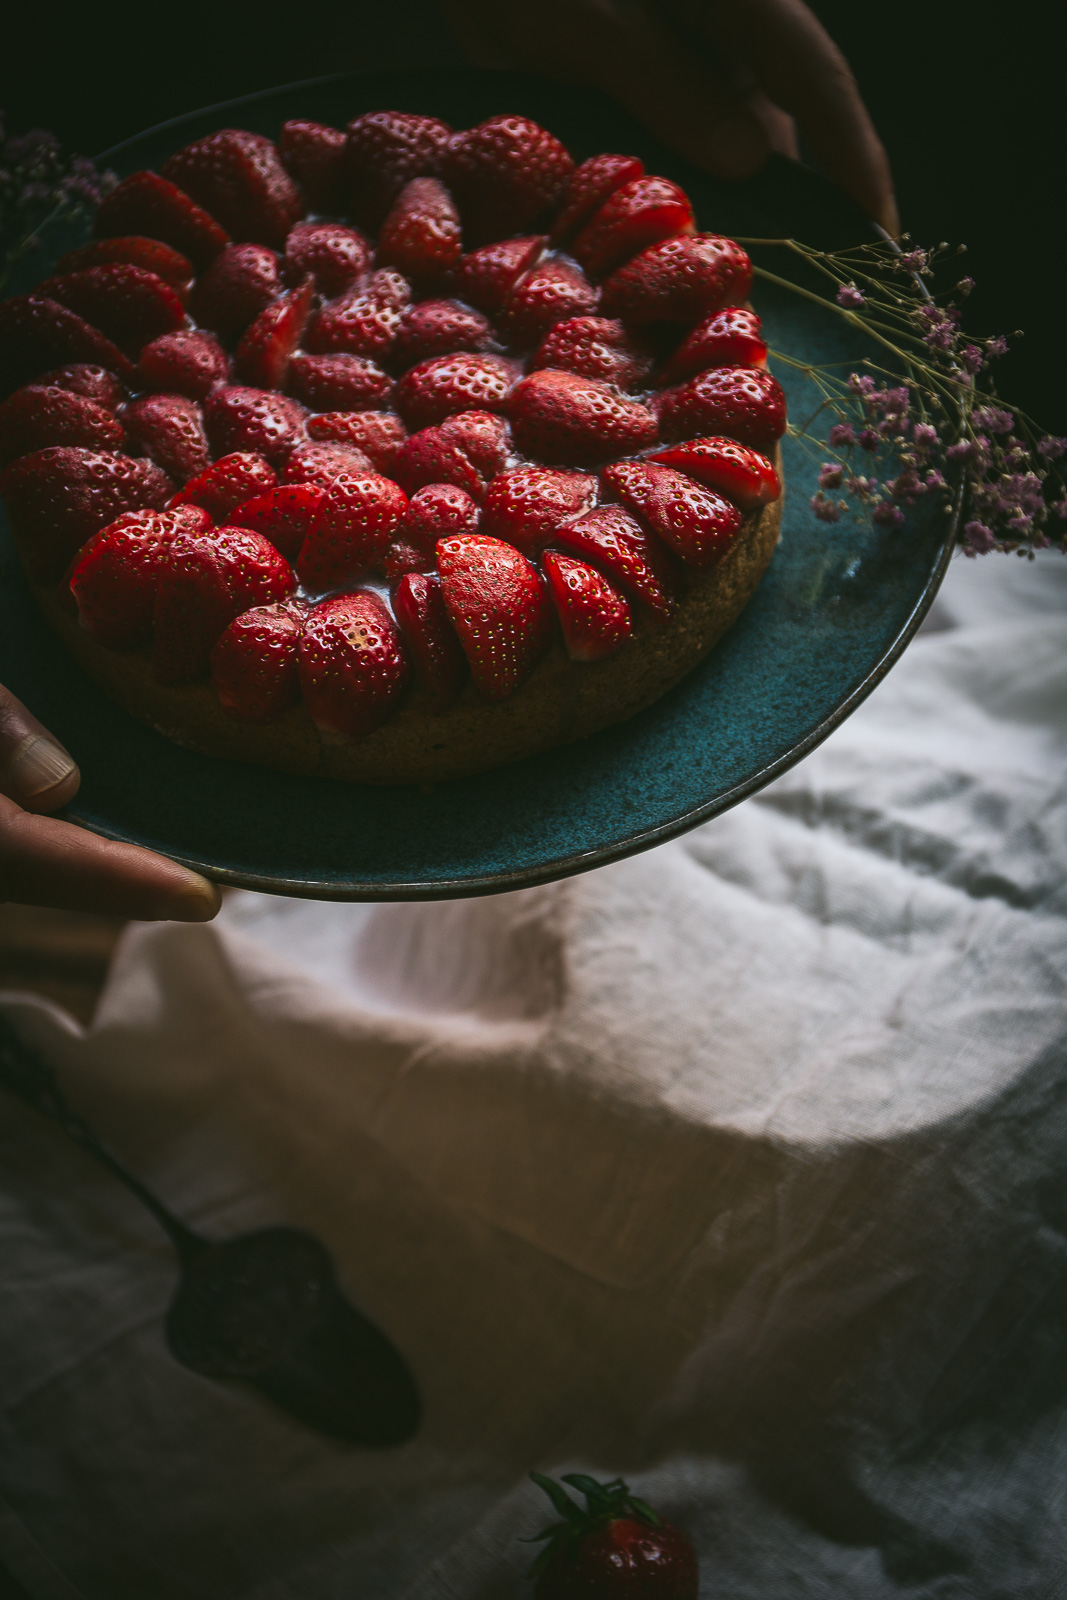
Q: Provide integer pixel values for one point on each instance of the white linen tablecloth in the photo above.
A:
(739, 1168)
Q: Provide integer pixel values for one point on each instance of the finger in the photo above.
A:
(46, 862)
(35, 769)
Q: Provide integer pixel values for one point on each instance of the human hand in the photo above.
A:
(46, 862)
(724, 82)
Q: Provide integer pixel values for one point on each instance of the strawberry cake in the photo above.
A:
(390, 453)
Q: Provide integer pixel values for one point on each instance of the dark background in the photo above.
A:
(968, 98)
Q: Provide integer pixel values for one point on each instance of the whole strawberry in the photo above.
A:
(616, 1549)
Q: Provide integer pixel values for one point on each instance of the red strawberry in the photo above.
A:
(435, 512)
(322, 463)
(36, 333)
(730, 338)
(237, 176)
(698, 524)
(226, 484)
(44, 414)
(419, 607)
(126, 303)
(616, 1546)
(117, 574)
(487, 276)
(332, 253)
(593, 347)
(338, 383)
(559, 417)
(282, 515)
(259, 420)
(497, 604)
(364, 322)
(386, 149)
(253, 662)
(421, 234)
(437, 328)
(588, 187)
(680, 280)
(59, 497)
(314, 157)
(481, 436)
(352, 530)
(546, 295)
(745, 403)
(741, 474)
(240, 283)
(170, 429)
(527, 505)
(640, 213)
(593, 614)
(429, 456)
(144, 203)
(152, 255)
(267, 344)
(95, 383)
(613, 539)
(505, 174)
(208, 579)
(352, 665)
(188, 362)
(433, 389)
(379, 435)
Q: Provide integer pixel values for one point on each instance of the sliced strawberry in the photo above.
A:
(435, 512)
(365, 321)
(282, 515)
(742, 475)
(430, 456)
(745, 403)
(437, 328)
(239, 284)
(313, 154)
(588, 187)
(352, 664)
(420, 609)
(189, 362)
(334, 255)
(208, 579)
(267, 344)
(44, 414)
(144, 203)
(421, 234)
(505, 174)
(730, 338)
(386, 149)
(323, 463)
(680, 280)
(338, 383)
(126, 303)
(593, 347)
(547, 294)
(527, 505)
(59, 497)
(170, 429)
(559, 417)
(94, 382)
(593, 614)
(698, 524)
(497, 604)
(117, 574)
(37, 333)
(253, 662)
(483, 437)
(641, 213)
(238, 178)
(259, 420)
(151, 255)
(487, 276)
(433, 389)
(613, 540)
(355, 523)
(379, 435)
(226, 484)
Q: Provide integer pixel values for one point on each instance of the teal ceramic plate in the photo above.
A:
(835, 610)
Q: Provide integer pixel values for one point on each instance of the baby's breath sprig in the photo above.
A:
(926, 420)
(39, 184)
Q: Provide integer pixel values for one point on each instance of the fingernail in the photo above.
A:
(37, 765)
(195, 900)
(737, 148)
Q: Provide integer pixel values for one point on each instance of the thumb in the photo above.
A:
(35, 769)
